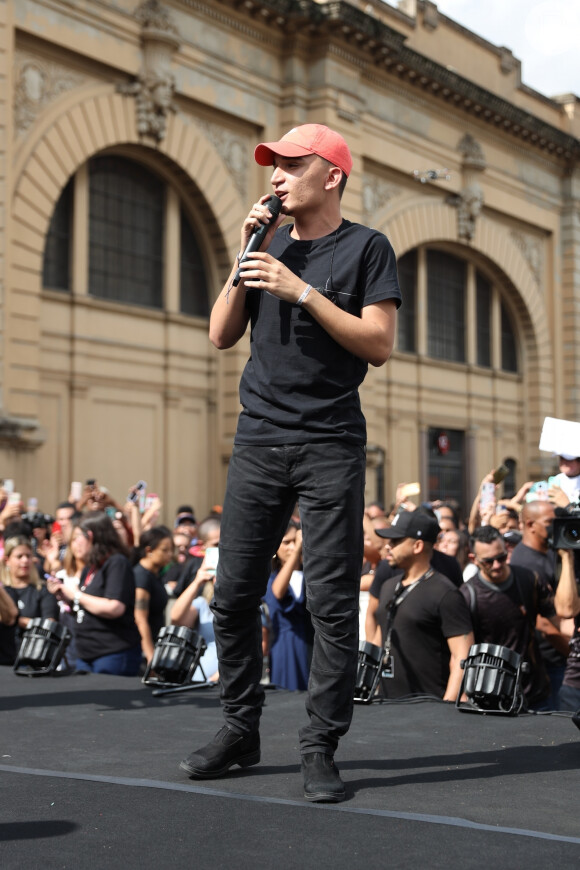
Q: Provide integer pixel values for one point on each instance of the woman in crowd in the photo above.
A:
(23, 584)
(156, 548)
(291, 649)
(107, 638)
(456, 543)
(74, 562)
(192, 610)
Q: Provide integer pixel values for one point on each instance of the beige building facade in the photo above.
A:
(126, 170)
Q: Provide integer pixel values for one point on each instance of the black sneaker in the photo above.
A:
(322, 781)
(226, 749)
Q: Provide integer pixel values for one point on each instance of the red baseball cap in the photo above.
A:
(307, 139)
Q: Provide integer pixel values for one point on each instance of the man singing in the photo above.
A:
(321, 297)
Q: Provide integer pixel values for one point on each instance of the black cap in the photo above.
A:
(512, 536)
(412, 524)
(185, 518)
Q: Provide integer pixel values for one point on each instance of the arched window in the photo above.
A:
(461, 309)
(406, 316)
(56, 263)
(194, 297)
(129, 210)
(446, 306)
(126, 228)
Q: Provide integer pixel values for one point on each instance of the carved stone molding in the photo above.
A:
(21, 434)
(154, 85)
(376, 194)
(38, 82)
(234, 150)
(532, 251)
(469, 201)
(507, 60)
(430, 15)
(472, 153)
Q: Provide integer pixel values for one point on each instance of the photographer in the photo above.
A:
(567, 603)
(535, 553)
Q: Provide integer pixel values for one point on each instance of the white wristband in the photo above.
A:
(304, 294)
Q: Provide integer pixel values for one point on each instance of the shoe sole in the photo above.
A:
(245, 761)
(325, 797)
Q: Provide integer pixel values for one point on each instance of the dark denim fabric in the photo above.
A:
(264, 484)
(122, 664)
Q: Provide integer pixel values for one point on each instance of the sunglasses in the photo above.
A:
(501, 559)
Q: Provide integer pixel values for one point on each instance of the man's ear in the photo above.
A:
(333, 178)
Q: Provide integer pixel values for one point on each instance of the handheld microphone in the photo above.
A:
(274, 204)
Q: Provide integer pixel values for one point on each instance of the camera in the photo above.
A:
(566, 532)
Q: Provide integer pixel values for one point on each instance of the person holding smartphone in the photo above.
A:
(107, 638)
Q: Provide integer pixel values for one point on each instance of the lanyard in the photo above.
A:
(401, 592)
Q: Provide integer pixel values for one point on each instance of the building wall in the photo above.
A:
(96, 388)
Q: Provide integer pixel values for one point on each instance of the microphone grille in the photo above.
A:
(274, 204)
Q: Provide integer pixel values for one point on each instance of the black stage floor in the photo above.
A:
(89, 776)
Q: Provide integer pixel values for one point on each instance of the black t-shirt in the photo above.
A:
(33, 602)
(187, 574)
(7, 644)
(542, 564)
(97, 636)
(299, 384)
(506, 614)
(158, 597)
(433, 611)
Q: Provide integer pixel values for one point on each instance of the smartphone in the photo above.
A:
(56, 528)
(136, 491)
(538, 491)
(91, 481)
(8, 485)
(14, 498)
(150, 499)
(211, 559)
(76, 490)
(487, 495)
(32, 505)
(500, 473)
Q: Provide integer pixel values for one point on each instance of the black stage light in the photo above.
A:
(176, 656)
(43, 645)
(492, 680)
(370, 658)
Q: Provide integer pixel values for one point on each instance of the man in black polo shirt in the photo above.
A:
(422, 616)
(505, 601)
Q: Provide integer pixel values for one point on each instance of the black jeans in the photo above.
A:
(263, 486)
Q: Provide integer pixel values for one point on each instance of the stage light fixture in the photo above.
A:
(176, 657)
(43, 645)
(492, 680)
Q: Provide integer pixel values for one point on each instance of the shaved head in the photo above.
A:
(535, 510)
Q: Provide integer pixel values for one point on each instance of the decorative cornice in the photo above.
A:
(383, 47)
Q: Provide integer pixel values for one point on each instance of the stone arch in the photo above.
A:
(420, 221)
(77, 129)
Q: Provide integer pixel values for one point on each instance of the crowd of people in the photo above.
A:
(432, 585)
(494, 577)
(110, 573)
